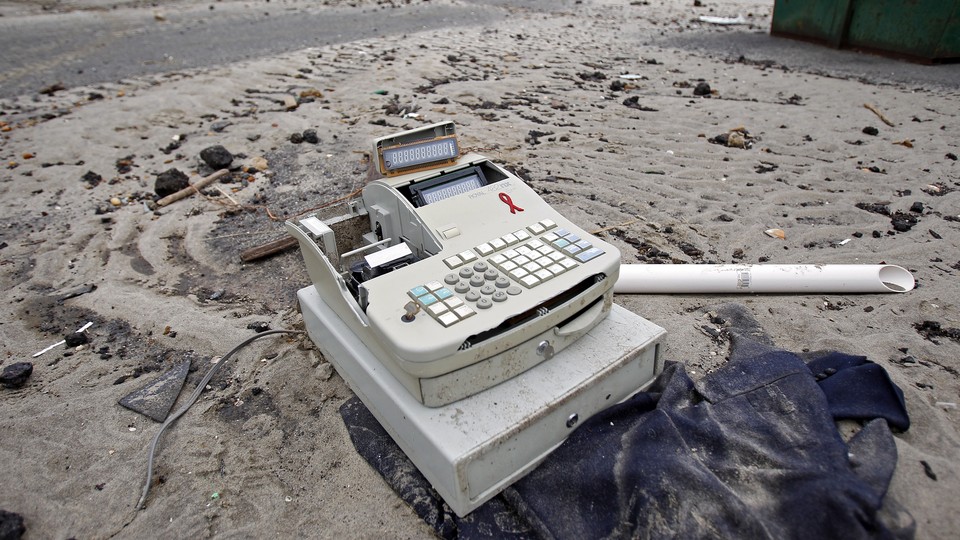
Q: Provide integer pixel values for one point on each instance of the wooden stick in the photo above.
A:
(227, 195)
(193, 188)
(877, 112)
(268, 249)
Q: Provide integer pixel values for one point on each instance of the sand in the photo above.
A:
(264, 451)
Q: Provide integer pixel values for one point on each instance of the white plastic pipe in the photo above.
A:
(762, 278)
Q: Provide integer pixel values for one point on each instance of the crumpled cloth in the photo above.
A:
(751, 450)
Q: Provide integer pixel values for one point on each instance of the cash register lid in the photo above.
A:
(418, 149)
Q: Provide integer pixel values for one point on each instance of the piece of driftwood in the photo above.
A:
(193, 188)
(270, 248)
(879, 114)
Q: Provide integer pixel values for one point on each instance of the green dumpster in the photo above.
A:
(921, 30)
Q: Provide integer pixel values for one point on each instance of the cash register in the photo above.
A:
(473, 320)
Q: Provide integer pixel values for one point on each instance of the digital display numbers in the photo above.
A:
(418, 154)
(456, 187)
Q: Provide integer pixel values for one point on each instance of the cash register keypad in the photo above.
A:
(486, 275)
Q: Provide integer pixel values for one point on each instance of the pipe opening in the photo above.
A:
(896, 278)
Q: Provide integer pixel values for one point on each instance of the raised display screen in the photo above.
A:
(421, 153)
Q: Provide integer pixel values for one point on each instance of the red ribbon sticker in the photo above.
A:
(513, 208)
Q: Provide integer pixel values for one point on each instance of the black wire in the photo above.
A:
(193, 398)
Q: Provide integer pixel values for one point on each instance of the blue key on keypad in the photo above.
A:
(418, 291)
(427, 299)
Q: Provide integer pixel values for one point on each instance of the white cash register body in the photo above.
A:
(455, 277)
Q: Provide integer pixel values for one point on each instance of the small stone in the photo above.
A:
(870, 130)
(220, 125)
(75, 339)
(310, 136)
(170, 182)
(92, 178)
(296, 138)
(16, 375)
(325, 371)
(259, 326)
(702, 89)
(917, 207)
(116, 202)
(259, 163)
(217, 157)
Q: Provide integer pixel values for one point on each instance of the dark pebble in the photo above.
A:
(310, 136)
(935, 234)
(928, 470)
(617, 86)
(75, 339)
(220, 125)
(596, 76)
(15, 376)
(877, 234)
(296, 138)
(11, 525)
(169, 182)
(870, 130)
(258, 326)
(217, 157)
(951, 155)
(917, 207)
(902, 222)
(690, 250)
(876, 208)
(92, 178)
(702, 89)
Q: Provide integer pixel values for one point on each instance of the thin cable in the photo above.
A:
(193, 398)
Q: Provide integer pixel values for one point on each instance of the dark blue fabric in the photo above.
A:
(858, 389)
(749, 451)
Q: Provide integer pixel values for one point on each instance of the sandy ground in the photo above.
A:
(533, 93)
